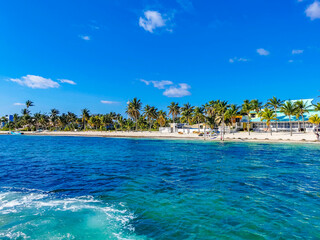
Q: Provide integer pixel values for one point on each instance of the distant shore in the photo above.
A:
(239, 136)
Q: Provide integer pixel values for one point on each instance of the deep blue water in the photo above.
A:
(104, 188)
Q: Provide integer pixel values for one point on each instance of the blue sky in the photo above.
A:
(98, 54)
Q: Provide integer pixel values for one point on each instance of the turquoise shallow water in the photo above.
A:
(103, 188)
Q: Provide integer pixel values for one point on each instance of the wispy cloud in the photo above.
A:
(186, 5)
(108, 102)
(313, 10)
(33, 81)
(93, 25)
(236, 59)
(67, 81)
(263, 52)
(297, 51)
(85, 37)
(158, 84)
(181, 91)
(294, 61)
(19, 104)
(151, 21)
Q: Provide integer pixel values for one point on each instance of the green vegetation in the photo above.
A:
(213, 114)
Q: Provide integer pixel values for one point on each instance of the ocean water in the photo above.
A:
(104, 188)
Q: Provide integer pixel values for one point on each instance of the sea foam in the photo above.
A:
(33, 214)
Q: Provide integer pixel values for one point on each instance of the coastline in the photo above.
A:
(277, 137)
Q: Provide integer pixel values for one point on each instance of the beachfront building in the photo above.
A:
(283, 123)
(185, 128)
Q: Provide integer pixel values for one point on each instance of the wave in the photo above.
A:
(34, 214)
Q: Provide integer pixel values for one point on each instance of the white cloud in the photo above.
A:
(158, 84)
(151, 21)
(180, 91)
(313, 10)
(297, 51)
(235, 59)
(33, 81)
(108, 102)
(290, 61)
(67, 81)
(19, 104)
(263, 52)
(85, 37)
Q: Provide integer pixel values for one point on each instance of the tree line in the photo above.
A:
(214, 114)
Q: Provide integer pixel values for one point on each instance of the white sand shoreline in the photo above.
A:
(239, 136)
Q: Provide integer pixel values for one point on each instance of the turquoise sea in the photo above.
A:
(104, 188)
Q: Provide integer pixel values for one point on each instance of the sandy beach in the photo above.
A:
(239, 136)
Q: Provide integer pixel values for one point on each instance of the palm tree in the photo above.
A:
(268, 115)
(210, 109)
(15, 120)
(37, 117)
(302, 108)
(162, 118)
(43, 121)
(232, 113)
(25, 112)
(54, 116)
(106, 120)
(149, 114)
(114, 117)
(315, 119)
(317, 106)
(198, 116)
(29, 104)
(133, 110)
(121, 122)
(25, 117)
(246, 109)
(85, 117)
(71, 119)
(275, 103)
(186, 113)
(222, 107)
(288, 109)
(129, 124)
(256, 106)
(174, 110)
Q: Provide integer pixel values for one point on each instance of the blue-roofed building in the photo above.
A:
(283, 123)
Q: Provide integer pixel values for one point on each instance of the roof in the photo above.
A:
(308, 102)
(283, 118)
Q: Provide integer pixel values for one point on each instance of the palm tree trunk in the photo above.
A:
(290, 125)
(270, 129)
(173, 118)
(222, 129)
(304, 124)
(205, 127)
(275, 110)
(136, 124)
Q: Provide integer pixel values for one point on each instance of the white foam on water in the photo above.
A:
(38, 215)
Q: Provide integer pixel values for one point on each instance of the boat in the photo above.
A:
(16, 133)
